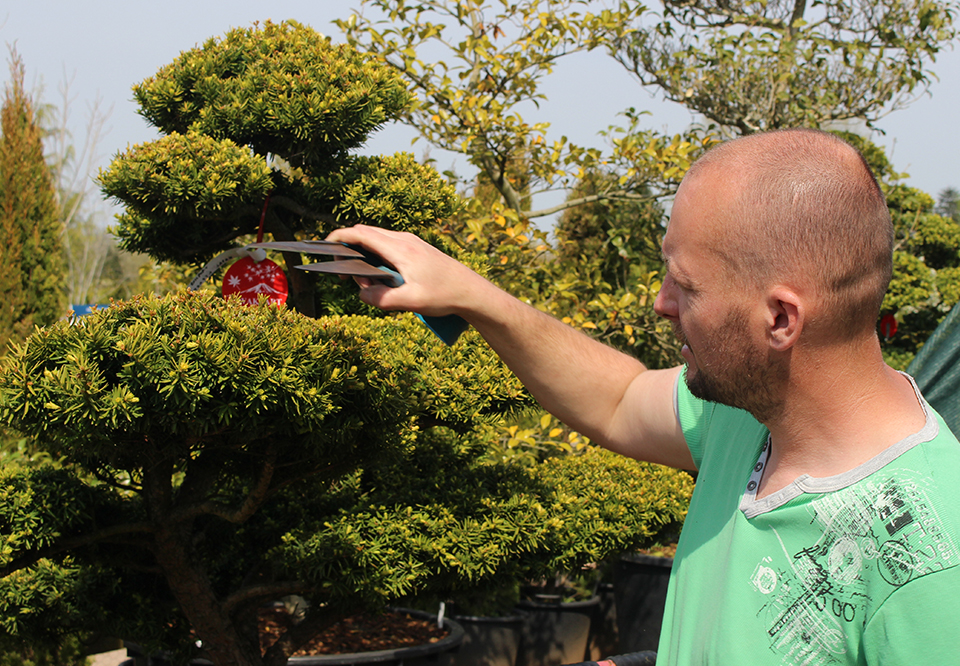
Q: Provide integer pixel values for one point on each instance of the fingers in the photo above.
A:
(380, 241)
(402, 251)
(435, 284)
(377, 294)
(391, 246)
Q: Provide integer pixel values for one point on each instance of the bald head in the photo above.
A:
(804, 208)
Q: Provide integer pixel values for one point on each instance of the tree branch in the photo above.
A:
(296, 208)
(799, 7)
(253, 501)
(592, 198)
(70, 543)
(263, 592)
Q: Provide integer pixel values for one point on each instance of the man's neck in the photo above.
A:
(833, 421)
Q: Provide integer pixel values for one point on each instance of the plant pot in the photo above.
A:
(604, 636)
(555, 632)
(488, 641)
(640, 588)
(419, 655)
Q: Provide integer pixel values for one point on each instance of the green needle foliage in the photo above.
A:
(282, 89)
(215, 458)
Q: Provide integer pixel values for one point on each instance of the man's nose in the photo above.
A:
(665, 304)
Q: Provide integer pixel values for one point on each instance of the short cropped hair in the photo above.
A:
(809, 207)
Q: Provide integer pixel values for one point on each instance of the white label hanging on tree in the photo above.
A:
(250, 279)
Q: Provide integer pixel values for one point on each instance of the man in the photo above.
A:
(825, 526)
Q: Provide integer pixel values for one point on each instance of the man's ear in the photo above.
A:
(786, 318)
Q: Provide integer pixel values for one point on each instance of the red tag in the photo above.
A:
(250, 279)
(888, 326)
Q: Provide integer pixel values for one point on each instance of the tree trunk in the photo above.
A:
(189, 582)
(302, 297)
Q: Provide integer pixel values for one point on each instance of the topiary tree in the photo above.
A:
(260, 124)
(211, 458)
(217, 457)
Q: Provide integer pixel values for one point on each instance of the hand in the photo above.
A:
(435, 284)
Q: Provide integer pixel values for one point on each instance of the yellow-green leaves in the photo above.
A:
(192, 366)
(393, 191)
(192, 175)
(181, 189)
(487, 61)
(461, 526)
(281, 88)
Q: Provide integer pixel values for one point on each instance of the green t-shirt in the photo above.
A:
(859, 568)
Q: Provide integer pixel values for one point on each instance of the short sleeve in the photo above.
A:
(693, 417)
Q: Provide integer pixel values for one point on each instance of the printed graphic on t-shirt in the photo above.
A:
(877, 535)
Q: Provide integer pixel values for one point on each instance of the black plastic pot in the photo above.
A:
(555, 632)
(640, 589)
(488, 641)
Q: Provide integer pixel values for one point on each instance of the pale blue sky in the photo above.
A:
(106, 46)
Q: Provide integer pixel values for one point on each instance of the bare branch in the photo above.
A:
(107, 534)
(263, 592)
(592, 198)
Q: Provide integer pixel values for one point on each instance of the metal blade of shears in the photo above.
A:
(357, 268)
(329, 248)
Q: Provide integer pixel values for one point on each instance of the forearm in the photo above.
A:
(598, 391)
(606, 395)
(579, 380)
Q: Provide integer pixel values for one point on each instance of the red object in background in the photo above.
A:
(250, 279)
(888, 326)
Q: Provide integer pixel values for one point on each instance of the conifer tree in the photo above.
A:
(31, 278)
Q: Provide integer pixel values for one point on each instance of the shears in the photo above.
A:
(356, 261)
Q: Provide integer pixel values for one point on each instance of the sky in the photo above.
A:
(103, 47)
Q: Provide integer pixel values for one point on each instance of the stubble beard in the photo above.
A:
(739, 375)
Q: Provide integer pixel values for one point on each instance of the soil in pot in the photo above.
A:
(360, 633)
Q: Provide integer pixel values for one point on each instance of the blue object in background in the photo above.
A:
(84, 310)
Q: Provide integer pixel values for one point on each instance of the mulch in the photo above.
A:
(361, 633)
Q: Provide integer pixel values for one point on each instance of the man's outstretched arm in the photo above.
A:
(605, 394)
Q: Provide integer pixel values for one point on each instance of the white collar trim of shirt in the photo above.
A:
(805, 483)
